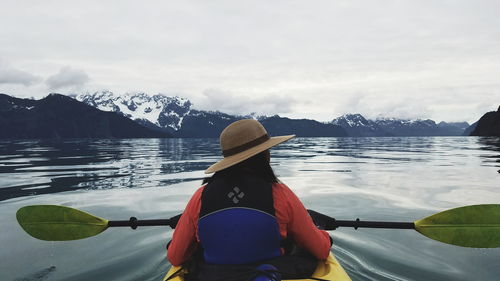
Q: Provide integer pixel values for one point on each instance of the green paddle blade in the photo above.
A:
(59, 223)
(476, 226)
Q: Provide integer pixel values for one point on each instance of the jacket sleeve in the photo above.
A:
(299, 225)
(184, 240)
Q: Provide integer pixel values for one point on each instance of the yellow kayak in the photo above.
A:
(327, 270)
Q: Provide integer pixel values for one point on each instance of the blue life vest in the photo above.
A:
(237, 223)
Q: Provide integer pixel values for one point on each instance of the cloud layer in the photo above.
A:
(243, 104)
(11, 75)
(427, 59)
(67, 77)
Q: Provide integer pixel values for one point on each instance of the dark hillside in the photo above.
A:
(59, 116)
(488, 125)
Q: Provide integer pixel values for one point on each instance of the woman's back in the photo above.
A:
(237, 222)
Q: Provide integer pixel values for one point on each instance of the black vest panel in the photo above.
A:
(244, 192)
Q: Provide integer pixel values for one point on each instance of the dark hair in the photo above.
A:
(258, 166)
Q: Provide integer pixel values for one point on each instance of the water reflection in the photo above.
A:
(491, 145)
(45, 166)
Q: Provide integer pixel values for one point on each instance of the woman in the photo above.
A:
(243, 215)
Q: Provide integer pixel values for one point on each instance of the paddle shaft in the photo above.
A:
(328, 223)
(133, 222)
(332, 223)
(372, 224)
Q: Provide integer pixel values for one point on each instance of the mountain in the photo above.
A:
(277, 125)
(205, 124)
(468, 131)
(59, 116)
(210, 124)
(358, 126)
(453, 128)
(488, 124)
(176, 116)
(427, 127)
(156, 112)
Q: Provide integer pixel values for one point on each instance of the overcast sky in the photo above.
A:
(314, 59)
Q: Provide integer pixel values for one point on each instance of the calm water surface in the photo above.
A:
(398, 179)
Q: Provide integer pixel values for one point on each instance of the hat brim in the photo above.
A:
(239, 157)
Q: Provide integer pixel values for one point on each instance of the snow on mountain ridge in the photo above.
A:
(357, 125)
(405, 122)
(161, 110)
(352, 120)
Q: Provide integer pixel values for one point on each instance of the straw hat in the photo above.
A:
(242, 140)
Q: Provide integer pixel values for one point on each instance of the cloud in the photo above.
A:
(67, 77)
(11, 75)
(234, 103)
(404, 58)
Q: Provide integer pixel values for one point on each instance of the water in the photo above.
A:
(393, 179)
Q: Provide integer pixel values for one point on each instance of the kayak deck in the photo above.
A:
(330, 269)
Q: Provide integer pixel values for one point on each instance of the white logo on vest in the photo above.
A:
(235, 194)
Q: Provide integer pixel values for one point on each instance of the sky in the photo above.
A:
(301, 59)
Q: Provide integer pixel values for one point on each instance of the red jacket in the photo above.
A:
(292, 217)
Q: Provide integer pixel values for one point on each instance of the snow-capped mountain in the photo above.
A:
(407, 127)
(419, 127)
(158, 110)
(175, 115)
(359, 126)
(356, 125)
(352, 121)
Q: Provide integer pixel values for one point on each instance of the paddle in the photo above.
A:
(475, 226)
(61, 223)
